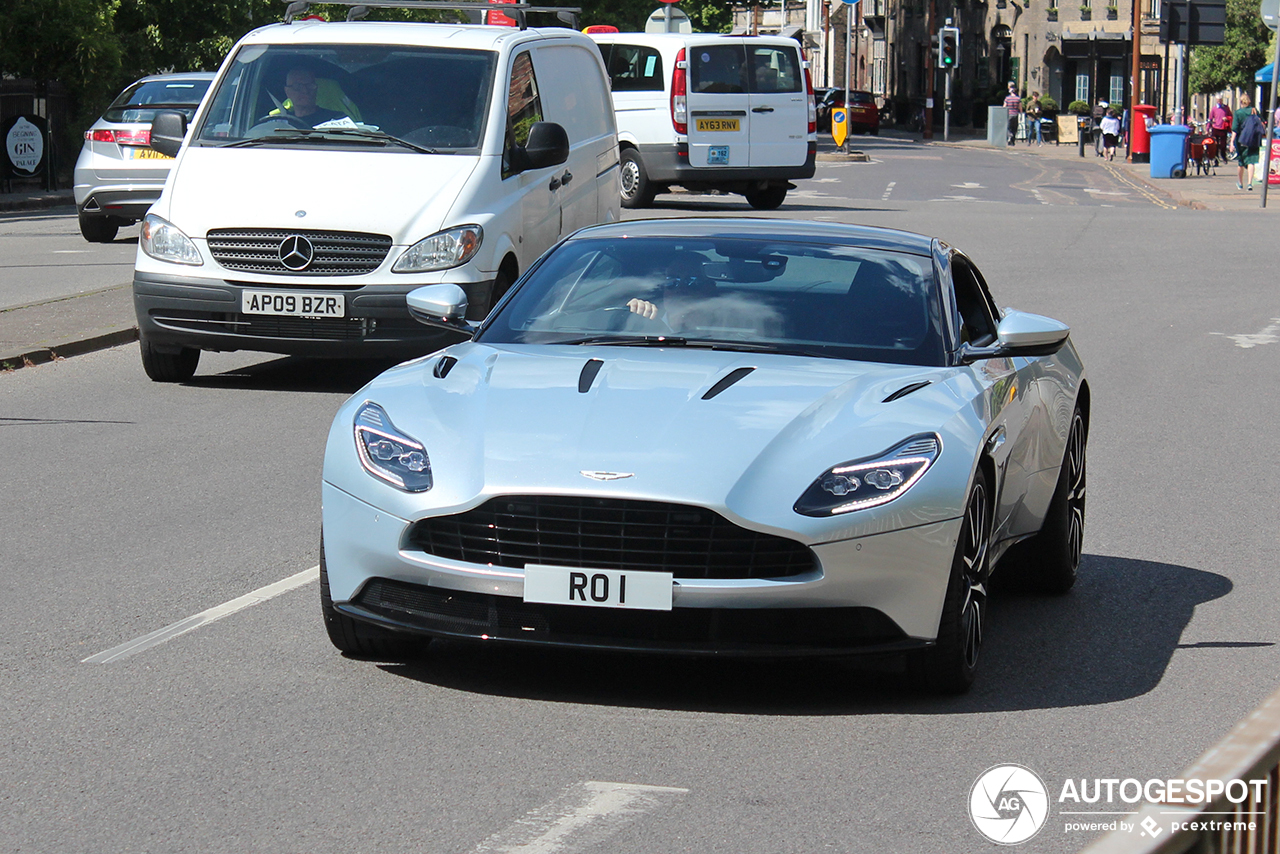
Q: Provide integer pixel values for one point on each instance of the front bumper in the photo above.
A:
(879, 593)
(178, 311)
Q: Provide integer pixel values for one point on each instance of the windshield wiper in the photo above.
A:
(300, 135)
(628, 340)
(731, 345)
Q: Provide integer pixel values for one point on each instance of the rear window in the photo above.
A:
(862, 98)
(738, 69)
(141, 101)
(633, 68)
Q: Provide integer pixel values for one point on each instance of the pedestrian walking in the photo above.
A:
(1220, 128)
(1110, 126)
(1247, 132)
(1013, 104)
(1033, 113)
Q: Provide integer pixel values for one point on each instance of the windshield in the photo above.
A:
(735, 293)
(433, 98)
(141, 101)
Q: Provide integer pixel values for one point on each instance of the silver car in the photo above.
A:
(713, 436)
(118, 175)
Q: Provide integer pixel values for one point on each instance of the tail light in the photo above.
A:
(808, 87)
(121, 137)
(679, 95)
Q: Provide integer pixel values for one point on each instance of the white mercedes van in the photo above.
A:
(711, 112)
(334, 167)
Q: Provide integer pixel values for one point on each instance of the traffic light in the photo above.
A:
(949, 47)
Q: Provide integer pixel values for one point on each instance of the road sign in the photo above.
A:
(1193, 22)
(839, 125)
(1271, 13)
(850, 2)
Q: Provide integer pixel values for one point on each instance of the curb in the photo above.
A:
(44, 355)
(17, 203)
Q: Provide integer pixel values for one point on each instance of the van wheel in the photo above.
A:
(637, 191)
(98, 229)
(768, 199)
(168, 367)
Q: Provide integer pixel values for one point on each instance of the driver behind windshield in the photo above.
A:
(300, 89)
(684, 288)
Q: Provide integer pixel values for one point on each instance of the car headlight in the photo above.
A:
(441, 251)
(870, 482)
(164, 241)
(388, 454)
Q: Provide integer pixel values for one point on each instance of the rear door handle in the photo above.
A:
(566, 178)
(762, 109)
(554, 185)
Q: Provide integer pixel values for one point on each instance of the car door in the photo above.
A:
(718, 101)
(1008, 396)
(576, 96)
(779, 106)
(538, 189)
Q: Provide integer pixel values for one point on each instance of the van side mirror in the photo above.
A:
(548, 145)
(168, 129)
(441, 305)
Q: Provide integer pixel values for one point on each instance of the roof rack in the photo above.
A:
(360, 8)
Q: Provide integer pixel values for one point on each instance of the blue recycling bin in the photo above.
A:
(1169, 151)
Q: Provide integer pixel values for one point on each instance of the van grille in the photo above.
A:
(336, 253)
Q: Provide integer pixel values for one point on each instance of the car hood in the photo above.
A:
(403, 194)
(510, 420)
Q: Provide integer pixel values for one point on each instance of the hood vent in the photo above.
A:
(444, 366)
(588, 375)
(726, 381)
(906, 390)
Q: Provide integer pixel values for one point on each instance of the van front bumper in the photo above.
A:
(669, 164)
(177, 311)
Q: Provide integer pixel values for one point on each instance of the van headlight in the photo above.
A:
(441, 251)
(871, 481)
(164, 241)
(387, 453)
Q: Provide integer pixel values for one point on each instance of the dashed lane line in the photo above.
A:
(204, 618)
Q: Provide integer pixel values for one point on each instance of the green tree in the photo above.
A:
(1233, 64)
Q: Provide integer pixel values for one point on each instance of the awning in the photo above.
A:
(1264, 74)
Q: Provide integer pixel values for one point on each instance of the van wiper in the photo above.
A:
(305, 135)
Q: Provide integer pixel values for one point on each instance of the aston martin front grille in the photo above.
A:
(336, 253)
(609, 533)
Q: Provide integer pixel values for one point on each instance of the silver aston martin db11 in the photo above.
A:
(717, 436)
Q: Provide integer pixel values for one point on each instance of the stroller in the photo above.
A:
(1203, 152)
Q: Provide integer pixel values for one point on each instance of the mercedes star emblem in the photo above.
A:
(296, 252)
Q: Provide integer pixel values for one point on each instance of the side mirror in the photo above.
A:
(441, 305)
(548, 145)
(1020, 334)
(168, 129)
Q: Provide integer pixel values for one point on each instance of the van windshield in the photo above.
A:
(431, 98)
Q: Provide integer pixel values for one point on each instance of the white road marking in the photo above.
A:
(1245, 340)
(824, 180)
(888, 190)
(71, 251)
(582, 817)
(204, 618)
(969, 185)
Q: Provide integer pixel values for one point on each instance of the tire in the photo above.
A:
(352, 637)
(168, 367)
(501, 284)
(637, 190)
(769, 199)
(949, 666)
(1049, 561)
(98, 229)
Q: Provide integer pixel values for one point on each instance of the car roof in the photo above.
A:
(402, 33)
(835, 234)
(186, 75)
(685, 38)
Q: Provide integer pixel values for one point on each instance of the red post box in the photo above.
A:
(1139, 139)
